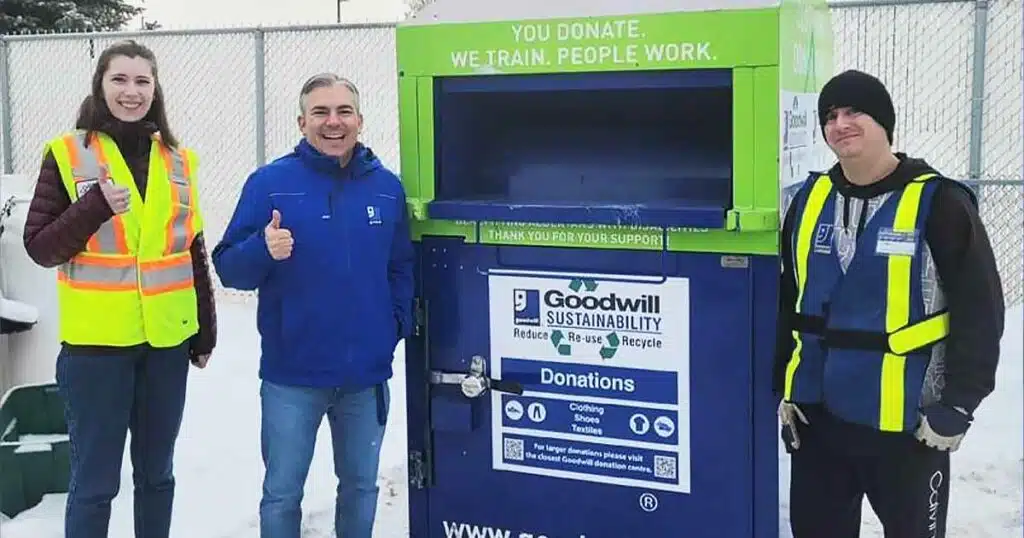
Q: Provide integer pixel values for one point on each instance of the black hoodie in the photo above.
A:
(967, 270)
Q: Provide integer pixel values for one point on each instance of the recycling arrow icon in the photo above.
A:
(557, 339)
(610, 347)
(610, 344)
(588, 284)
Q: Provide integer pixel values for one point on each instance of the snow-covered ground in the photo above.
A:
(219, 469)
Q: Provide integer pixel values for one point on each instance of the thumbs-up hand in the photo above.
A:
(118, 198)
(279, 240)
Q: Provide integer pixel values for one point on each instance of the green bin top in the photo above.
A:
(778, 54)
(461, 11)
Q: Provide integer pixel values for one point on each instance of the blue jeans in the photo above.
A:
(291, 419)
(106, 395)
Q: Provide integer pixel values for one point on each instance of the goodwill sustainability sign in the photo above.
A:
(604, 363)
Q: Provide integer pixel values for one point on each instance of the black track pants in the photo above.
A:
(837, 464)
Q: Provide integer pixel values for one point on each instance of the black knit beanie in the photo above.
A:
(861, 91)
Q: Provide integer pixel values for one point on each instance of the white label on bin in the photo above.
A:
(604, 363)
(802, 146)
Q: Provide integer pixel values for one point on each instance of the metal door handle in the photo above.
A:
(475, 382)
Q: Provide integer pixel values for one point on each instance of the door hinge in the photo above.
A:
(418, 316)
(417, 473)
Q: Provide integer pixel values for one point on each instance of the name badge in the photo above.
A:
(83, 186)
(896, 243)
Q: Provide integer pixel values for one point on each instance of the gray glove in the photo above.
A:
(942, 427)
(788, 415)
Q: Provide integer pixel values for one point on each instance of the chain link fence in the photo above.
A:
(954, 71)
(232, 96)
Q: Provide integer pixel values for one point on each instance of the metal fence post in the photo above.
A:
(978, 88)
(6, 129)
(887, 3)
(259, 46)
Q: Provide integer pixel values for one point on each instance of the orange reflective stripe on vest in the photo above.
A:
(101, 273)
(180, 233)
(136, 271)
(85, 164)
(107, 264)
(170, 274)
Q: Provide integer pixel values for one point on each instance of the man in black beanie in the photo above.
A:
(891, 313)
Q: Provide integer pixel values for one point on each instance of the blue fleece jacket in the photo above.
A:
(331, 314)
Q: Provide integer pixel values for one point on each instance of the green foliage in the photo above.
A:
(41, 16)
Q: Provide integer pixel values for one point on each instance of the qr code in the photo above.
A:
(514, 449)
(664, 466)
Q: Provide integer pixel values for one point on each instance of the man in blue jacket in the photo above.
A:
(322, 233)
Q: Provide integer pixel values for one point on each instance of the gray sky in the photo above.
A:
(174, 14)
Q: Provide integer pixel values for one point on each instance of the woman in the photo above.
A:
(136, 302)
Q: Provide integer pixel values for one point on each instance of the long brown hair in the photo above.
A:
(94, 113)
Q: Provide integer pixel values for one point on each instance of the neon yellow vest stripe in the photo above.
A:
(133, 283)
(901, 337)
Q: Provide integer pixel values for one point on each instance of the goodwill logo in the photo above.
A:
(373, 215)
(527, 307)
(580, 316)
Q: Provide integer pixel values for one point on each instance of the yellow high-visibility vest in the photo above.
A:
(887, 337)
(133, 283)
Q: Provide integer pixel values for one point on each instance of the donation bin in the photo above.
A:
(34, 447)
(595, 190)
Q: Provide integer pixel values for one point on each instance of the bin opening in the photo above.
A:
(645, 148)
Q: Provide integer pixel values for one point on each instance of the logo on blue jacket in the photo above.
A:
(526, 307)
(373, 215)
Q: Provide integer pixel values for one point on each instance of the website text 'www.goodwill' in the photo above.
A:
(466, 530)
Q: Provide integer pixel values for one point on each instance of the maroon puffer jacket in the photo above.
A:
(56, 230)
